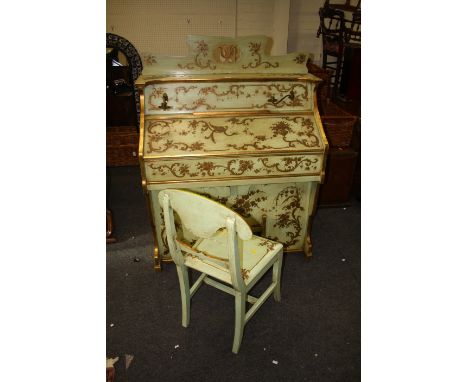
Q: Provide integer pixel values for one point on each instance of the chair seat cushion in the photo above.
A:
(214, 252)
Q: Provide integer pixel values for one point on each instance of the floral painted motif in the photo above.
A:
(288, 201)
(285, 206)
(254, 48)
(197, 104)
(245, 204)
(150, 59)
(289, 164)
(270, 246)
(295, 132)
(213, 129)
(244, 273)
(156, 95)
(200, 60)
(300, 58)
(248, 96)
(252, 167)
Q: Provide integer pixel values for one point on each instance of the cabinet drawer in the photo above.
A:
(219, 168)
(189, 97)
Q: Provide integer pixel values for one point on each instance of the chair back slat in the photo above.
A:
(203, 216)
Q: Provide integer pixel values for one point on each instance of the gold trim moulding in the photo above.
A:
(227, 178)
(237, 154)
(318, 120)
(322, 177)
(141, 141)
(233, 182)
(240, 113)
(143, 82)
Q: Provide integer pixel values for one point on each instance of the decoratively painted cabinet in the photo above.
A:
(235, 124)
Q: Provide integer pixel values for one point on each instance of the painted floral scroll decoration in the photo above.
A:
(284, 130)
(300, 91)
(170, 144)
(150, 59)
(254, 48)
(212, 129)
(159, 130)
(245, 204)
(281, 128)
(289, 164)
(200, 60)
(289, 202)
(235, 167)
(194, 97)
(156, 94)
(158, 142)
(308, 131)
(181, 170)
(245, 273)
(270, 246)
(242, 204)
(300, 58)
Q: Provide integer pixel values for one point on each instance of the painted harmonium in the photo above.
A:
(239, 126)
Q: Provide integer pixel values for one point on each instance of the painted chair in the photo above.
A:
(224, 251)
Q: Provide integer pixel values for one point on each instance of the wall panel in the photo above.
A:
(162, 26)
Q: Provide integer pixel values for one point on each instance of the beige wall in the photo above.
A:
(162, 25)
(303, 24)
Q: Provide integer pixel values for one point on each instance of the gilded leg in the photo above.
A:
(308, 240)
(157, 259)
(308, 246)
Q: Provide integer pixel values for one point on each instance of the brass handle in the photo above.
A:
(164, 104)
(275, 102)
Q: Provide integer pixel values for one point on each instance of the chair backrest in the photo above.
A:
(203, 217)
(353, 31)
(331, 23)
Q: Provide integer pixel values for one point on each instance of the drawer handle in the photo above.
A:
(164, 104)
(275, 102)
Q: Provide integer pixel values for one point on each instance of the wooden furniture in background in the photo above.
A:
(340, 28)
(339, 127)
(341, 165)
(123, 66)
(332, 30)
(224, 249)
(240, 126)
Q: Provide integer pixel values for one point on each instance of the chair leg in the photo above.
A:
(184, 294)
(277, 277)
(240, 320)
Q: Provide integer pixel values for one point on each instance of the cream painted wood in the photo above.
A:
(223, 236)
(225, 167)
(183, 97)
(192, 136)
(279, 211)
(210, 124)
(224, 55)
(188, 206)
